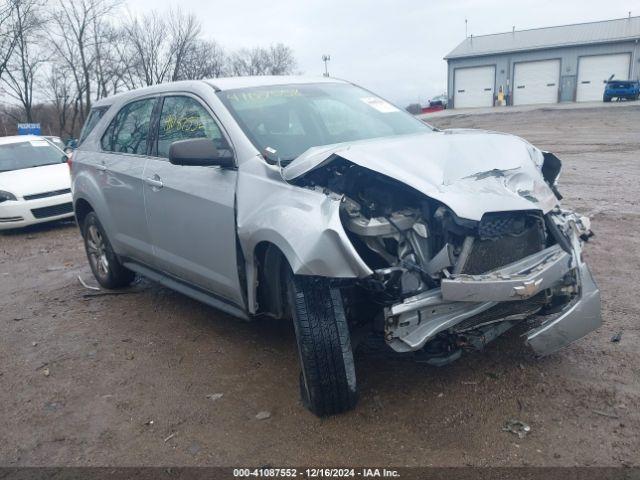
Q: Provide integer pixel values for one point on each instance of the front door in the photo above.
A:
(190, 210)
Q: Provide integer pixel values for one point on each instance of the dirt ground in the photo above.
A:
(128, 379)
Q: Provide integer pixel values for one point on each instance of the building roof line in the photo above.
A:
(553, 26)
(589, 33)
(537, 47)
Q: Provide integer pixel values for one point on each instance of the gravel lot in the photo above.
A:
(128, 379)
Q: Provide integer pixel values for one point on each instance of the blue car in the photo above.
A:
(628, 89)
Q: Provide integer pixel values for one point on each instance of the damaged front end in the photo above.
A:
(552, 287)
(442, 282)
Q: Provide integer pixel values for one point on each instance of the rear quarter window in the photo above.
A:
(92, 120)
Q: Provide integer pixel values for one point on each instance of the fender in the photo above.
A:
(303, 224)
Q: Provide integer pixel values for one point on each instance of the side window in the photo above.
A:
(129, 130)
(183, 118)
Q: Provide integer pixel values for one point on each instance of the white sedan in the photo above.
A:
(35, 184)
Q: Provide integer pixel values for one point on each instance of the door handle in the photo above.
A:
(101, 167)
(154, 182)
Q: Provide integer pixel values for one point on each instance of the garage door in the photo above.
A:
(594, 71)
(473, 87)
(536, 82)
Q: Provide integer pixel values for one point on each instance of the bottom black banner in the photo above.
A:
(405, 473)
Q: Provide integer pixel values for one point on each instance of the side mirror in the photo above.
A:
(199, 152)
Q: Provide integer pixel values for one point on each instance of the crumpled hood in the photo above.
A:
(471, 171)
(29, 181)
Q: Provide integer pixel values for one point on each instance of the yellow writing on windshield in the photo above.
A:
(262, 95)
(183, 124)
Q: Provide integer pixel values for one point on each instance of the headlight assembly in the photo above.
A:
(4, 196)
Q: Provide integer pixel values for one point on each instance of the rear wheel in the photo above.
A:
(328, 378)
(106, 267)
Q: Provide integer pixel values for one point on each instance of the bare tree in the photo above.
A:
(124, 63)
(109, 70)
(276, 60)
(157, 45)
(59, 89)
(23, 66)
(91, 54)
(147, 49)
(100, 34)
(8, 37)
(74, 40)
(280, 60)
(185, 31)
(248, 62)
(205, 59)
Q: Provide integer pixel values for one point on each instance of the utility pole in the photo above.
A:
(465, 28)
(325, 59)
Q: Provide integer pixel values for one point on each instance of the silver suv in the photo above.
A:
(317, 201)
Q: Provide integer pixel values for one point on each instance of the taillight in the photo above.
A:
(70, 160)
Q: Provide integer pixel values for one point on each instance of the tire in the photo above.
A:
(327, 378)
(105, 265)
(606, 99)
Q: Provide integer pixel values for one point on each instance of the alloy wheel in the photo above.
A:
(97, 250)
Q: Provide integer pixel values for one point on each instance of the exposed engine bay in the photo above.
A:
(443, 282)
(412, 242)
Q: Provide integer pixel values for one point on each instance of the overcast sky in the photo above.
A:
(394, 47)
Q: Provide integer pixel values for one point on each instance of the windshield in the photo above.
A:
(28, 154)
(284, 121)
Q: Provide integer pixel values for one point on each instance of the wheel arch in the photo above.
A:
(88, 196)
(82, 207)
(306, 232)
(269, 262)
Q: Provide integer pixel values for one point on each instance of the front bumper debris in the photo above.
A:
(576, 320)
(517, 281)
(411, 324)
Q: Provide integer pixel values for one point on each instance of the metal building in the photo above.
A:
(543, 65)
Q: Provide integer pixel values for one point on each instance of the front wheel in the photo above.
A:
(328, 377)
(105, 265)
(606, 99)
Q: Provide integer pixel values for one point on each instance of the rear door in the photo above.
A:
(190, 210)
(120, 170)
